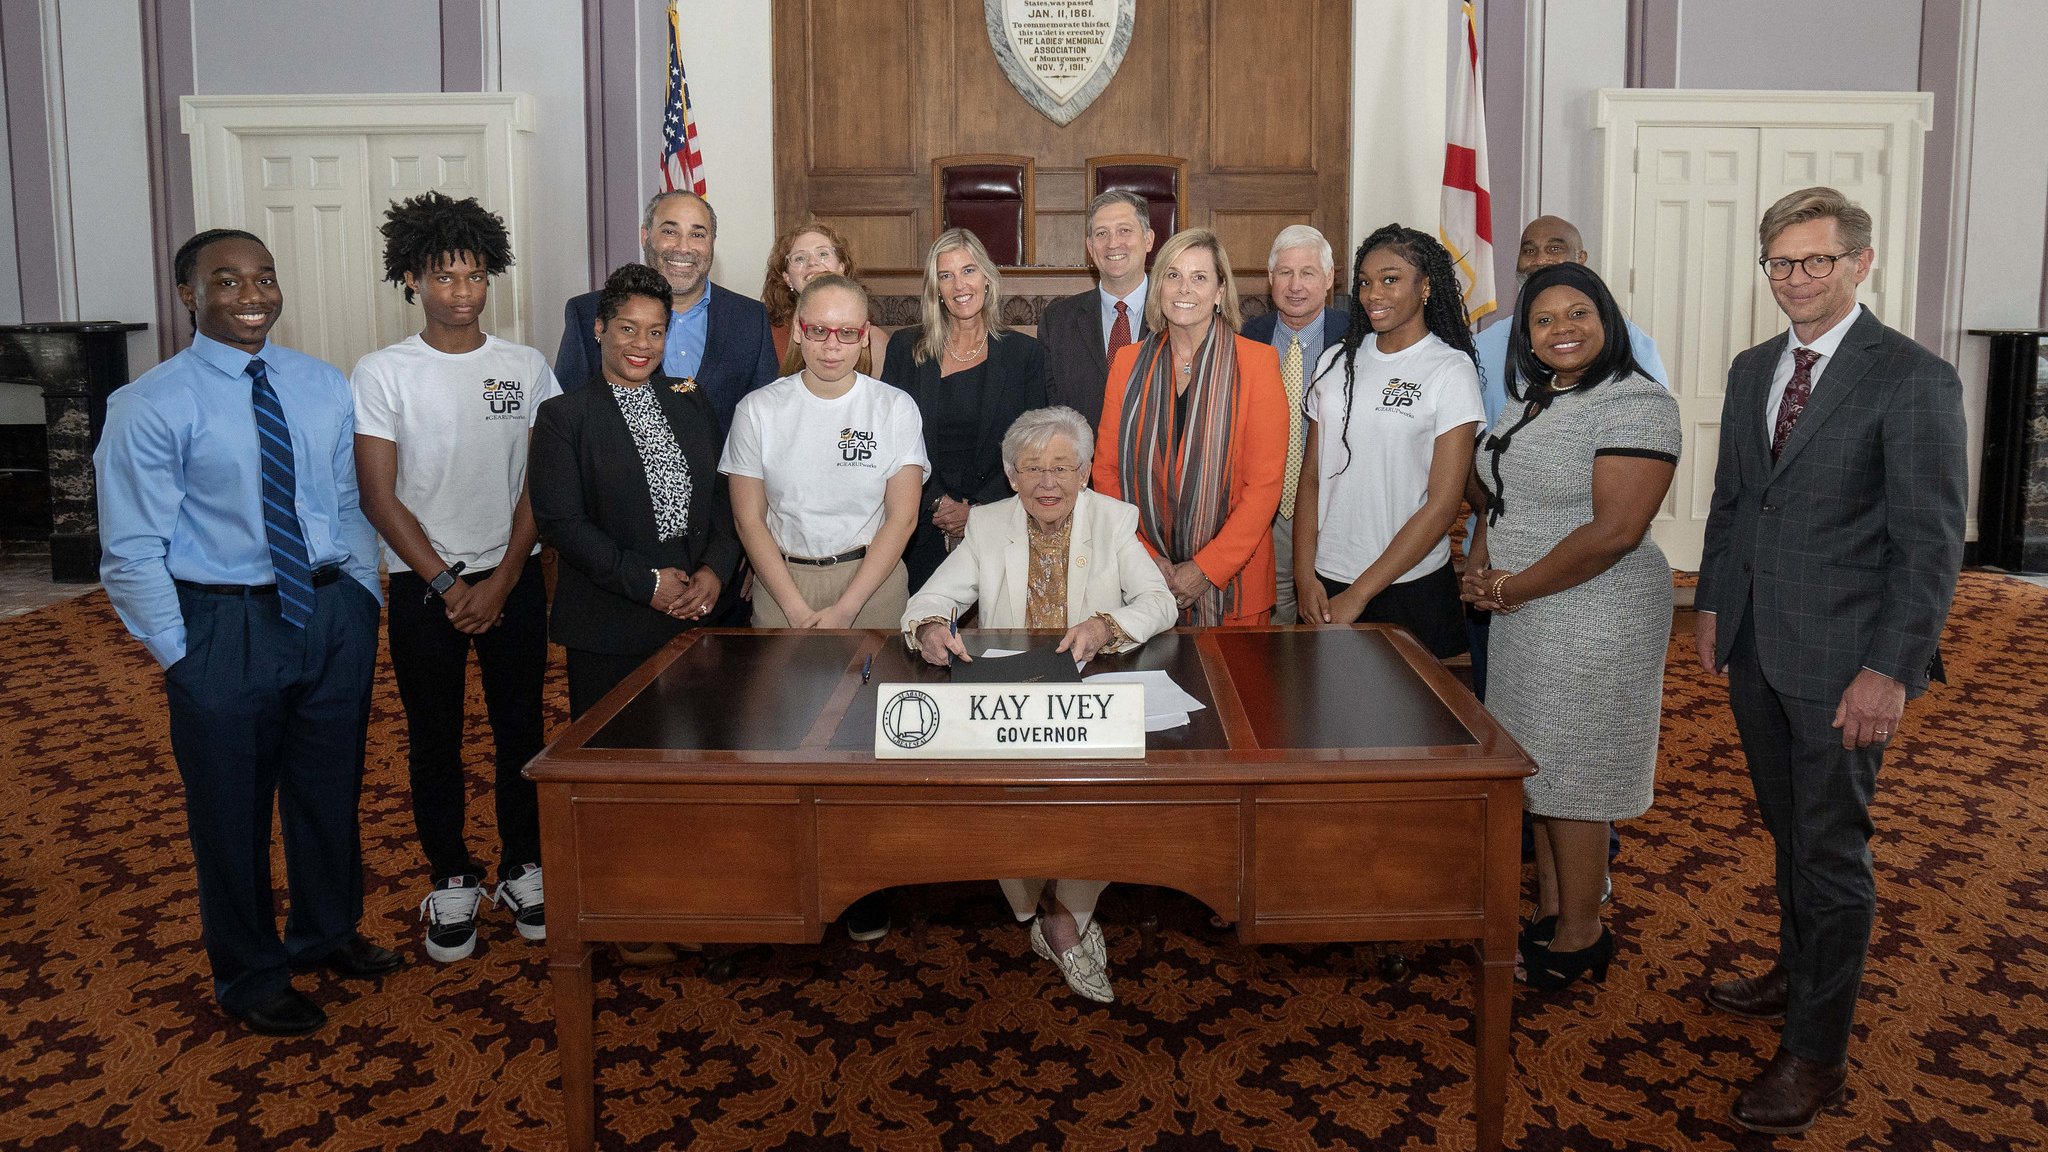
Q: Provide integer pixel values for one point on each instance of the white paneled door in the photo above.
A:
(1687, 178)
(1694, 290)
(313, 176)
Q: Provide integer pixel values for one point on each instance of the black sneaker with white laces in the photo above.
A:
(522, 894)
(450, 912)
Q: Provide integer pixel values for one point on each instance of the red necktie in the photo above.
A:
(1796, 393)
(1120, 332)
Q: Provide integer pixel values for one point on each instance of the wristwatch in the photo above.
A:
(440, 585)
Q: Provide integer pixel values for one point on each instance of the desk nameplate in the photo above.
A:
(1010, 722)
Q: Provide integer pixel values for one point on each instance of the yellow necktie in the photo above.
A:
(1290, 378)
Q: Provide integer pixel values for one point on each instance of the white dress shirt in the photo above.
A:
(1825, 345)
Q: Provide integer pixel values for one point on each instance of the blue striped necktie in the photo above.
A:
(280, 501)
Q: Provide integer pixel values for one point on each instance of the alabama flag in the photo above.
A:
(1467, 228)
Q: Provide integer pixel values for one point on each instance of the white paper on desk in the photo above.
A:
(1162, 723)
(1162, 696)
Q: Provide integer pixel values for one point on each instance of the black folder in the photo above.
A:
(1040, 665)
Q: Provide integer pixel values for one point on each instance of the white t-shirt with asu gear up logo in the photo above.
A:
(1399, 406)
(460, 422)
(825, 463)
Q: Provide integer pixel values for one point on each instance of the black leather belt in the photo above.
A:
(321, 578)
(827, 562)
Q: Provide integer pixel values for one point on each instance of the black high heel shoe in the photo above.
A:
(1549, 971)
(1536, 937)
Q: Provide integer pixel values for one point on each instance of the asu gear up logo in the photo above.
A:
(856, 446)
(507, 399)
(1399, 395)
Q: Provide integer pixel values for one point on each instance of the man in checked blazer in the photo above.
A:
(1831, 556)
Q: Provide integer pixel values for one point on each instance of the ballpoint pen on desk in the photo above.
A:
(867, 668)
(953, 630)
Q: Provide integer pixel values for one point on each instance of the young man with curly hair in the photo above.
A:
(442, 420)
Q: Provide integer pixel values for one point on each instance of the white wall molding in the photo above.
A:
(60, 161)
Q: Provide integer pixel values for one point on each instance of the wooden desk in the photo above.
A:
(1339, 785)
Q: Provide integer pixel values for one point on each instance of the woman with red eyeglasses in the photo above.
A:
(826, 467)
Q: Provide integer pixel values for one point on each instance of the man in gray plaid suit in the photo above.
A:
(1831, 557)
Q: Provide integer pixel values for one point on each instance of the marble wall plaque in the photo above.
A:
(1060, 54)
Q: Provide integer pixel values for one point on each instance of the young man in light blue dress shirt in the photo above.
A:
(234, 549)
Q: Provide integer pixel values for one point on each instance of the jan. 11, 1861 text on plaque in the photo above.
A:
(1060, 54)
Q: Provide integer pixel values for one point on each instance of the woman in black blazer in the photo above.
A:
(625, 484)
(971, 377)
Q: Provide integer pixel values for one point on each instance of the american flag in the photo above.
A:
(682, 166)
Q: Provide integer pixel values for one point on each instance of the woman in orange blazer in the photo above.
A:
(1194, 432)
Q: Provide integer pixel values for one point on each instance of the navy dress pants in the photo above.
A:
(1814, 796)
(261, 710)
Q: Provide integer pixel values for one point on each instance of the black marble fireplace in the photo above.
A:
(76, 364)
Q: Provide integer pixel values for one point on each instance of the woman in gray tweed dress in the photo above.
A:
(1581, 597)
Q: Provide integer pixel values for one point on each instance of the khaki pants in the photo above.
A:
(822, 587)
(1285, 608)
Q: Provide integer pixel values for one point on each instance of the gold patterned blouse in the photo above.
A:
(1045, 595)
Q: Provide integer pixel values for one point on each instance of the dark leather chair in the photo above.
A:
(1161, 180)
(990, 195)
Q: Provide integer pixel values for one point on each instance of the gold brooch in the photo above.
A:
(686, 384)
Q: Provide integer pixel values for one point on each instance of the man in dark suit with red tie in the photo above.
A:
(1831, 557)
(1083, 332)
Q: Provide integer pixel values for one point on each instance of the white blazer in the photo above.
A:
(1108, 570)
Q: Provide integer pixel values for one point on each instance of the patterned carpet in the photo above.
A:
(968, 1041)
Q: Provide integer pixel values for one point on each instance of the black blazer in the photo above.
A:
(1015, 385)
(1843, 552)
(1076, 359)
(739, 356)
(590, 499)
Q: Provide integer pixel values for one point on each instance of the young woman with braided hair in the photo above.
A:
(1388, 445)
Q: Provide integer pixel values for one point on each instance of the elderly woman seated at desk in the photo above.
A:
(1057, 555)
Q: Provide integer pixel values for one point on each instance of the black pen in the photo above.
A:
(867, 668)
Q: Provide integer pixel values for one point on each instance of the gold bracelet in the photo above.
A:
(1500, 584)
(1118, 638)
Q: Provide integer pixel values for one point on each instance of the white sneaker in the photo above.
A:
(450, 912)
(522, 894)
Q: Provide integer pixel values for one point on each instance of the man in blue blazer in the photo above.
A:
(1299, 272)
(715, 337)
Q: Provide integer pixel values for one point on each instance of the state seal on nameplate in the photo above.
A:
(1060, 54)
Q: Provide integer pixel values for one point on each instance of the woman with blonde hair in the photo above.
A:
(801, 255)
(1194, 432)
(971, 376)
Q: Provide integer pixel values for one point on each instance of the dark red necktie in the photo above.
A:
(1796, 394)
(1120, 332)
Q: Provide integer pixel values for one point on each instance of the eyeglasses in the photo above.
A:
(806, 259)
(1818, 267)
(1061, 473)
(816, 333)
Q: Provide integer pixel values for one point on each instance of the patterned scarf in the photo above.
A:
(1181, 483)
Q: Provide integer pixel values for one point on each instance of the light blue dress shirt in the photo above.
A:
(682, 355)
(1493, 359)
(181, 489)
(1136, 301)
(1311, 339)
